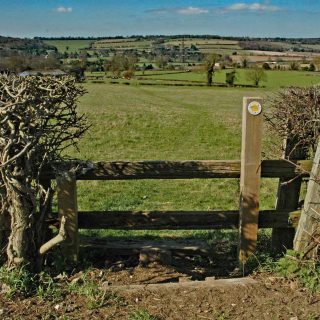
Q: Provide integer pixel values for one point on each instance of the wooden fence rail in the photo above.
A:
(166, 220)
(180, 220)
(202, 169)
(247, 219)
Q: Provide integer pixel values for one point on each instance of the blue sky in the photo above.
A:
(29, 18)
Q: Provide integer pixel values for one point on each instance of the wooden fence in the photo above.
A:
(249, 169)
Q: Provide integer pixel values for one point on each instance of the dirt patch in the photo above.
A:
(270, 298)
(92, 295)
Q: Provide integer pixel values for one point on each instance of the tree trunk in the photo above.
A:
(4, 228)
(4, 234)
(21, 248)
(209, 76)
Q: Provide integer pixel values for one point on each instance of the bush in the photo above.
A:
(256, 75)
(312, 67)
(295, 113)
(266, 66)
(231, 77)
(39, 120)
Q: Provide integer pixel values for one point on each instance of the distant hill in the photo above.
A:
(27, 46)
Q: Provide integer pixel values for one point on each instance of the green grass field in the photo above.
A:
(170, 123)
(165, 123)
(275, 79)
(69, 45)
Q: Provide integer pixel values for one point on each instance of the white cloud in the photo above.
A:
(255, 7)
(62, 9)
(192, 11)
(182, 11)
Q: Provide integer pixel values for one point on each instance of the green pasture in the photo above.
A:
(275, 79)
(136, 122)
(164, 123)
(71, 45)
(123, 44)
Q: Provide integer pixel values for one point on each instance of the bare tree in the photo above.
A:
(295, 113)
(38, 122)
(210, 61)
(256, 75)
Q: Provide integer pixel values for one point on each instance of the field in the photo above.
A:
(165, 123)
(69, 45)
(136, 122)
(275, 79)
(171, 123)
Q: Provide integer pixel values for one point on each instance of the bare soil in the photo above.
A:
(271, 298)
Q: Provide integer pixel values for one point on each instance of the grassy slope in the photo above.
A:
(135, 122)
(74, 45)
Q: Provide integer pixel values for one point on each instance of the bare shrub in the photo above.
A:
(38, 122)
(295, 114)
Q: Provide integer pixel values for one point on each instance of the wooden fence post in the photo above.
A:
(67, 207)
(250, 176)
(287, 197)
(308, 231)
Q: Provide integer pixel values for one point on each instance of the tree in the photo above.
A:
(316, 62)
(244, 62)
(121, 63)
(312, 67)
(266, 66)
(294, 65)
(231, 77)
(76, 70)
(210, 61)
(39, 120)
(256, 75)
(162, 61)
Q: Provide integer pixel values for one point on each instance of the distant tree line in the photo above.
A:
(193, 36)
(17, 63)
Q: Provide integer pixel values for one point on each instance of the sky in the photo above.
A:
(54, 18)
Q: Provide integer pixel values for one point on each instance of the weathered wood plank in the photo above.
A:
(68, 208)
(205, 169)
(288, 196)
(250, 176)
(180, 220)
(134, 246)
(308, 231)
(211, 284)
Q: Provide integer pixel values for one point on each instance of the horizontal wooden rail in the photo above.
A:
(123, 170)
(180, 220)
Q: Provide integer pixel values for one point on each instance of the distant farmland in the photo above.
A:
(69, 45)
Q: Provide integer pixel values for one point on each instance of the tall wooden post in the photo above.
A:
(68, 208)
(250, 176)
(308, 231)
(287, 197)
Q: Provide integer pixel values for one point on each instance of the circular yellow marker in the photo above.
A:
(254, 108)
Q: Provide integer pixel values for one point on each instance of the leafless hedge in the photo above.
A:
(295, 113)
(39, 120)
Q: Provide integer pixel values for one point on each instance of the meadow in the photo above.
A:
(275, 79)
(165, 123)
(69, 45)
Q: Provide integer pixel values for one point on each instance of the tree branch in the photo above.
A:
(59, 238)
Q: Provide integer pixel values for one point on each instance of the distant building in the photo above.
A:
(56, 73)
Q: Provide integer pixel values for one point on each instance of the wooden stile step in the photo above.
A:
(129, 247)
